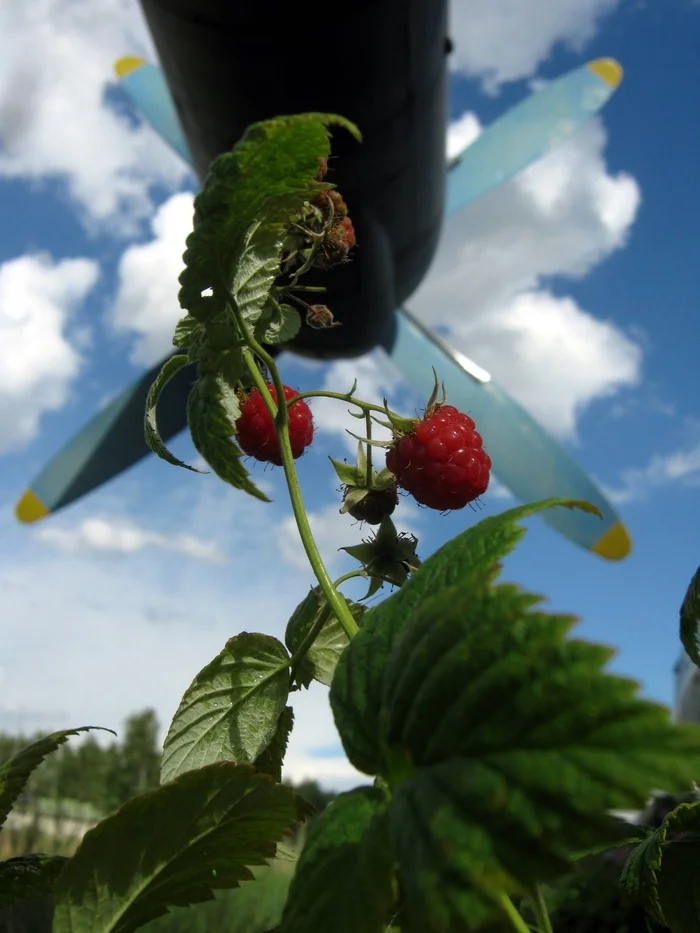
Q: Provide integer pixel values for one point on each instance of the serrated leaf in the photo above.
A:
(471, 557)
(506, 745)
(28, 876)
(321, 659)
(267, 176)
(690, 619)
(171, 847)
(15, 772)
(257, 268)
(185, 331)
(271, 759)
(231, 710)
(209, 416)
(278, 323)
(152, 434)
(344, 879)
(663, 873)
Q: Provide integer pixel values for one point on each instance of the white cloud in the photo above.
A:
(461, 133)
(56, 63)
(561, 217)
(679, 467)
(506, 40)
(146, 303)
(122, 536)
(38, 300)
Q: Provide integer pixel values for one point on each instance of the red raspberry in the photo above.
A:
(256, 432)
(442, 462)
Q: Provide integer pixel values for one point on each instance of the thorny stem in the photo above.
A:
(280, 415)
(320, 393)
(368, 455)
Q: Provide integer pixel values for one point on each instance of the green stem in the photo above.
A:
(308, 640)
(368, 455)
(280, 414)
(544, 924)
(349, 576)
(348, 397)
(509, 909)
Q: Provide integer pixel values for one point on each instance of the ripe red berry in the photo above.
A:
(442, 462)
(256, 432)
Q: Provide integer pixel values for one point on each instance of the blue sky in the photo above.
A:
(576, 285)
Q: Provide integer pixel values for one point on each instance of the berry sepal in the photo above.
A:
(368, 495)
(387, 557)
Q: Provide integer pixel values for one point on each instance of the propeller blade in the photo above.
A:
(526, 459)
(110, 443)
(529, 130)
(146, 87)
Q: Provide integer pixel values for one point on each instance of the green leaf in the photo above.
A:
(28, 876)
(663, 873)
(344, 879)
(266, 177)
(171, 847)
(270, 760)
(690, 618)
(506, 744)
(231, 710)
(15, 772)
(472, 556)
(185, 331)
(321, 659)
(153, 438)
(211, 413)
(278, 323)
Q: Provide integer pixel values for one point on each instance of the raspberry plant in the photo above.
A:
(497, 743)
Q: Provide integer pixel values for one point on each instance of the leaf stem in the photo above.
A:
(280, 415)
(309, 639)
(544, 924)
(509, 909)
(368, 455)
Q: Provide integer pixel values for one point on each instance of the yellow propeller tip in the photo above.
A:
(30, 508)
(607, 69)
(124, 66)
(615, 544)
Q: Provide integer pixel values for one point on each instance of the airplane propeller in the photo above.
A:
(526, 459)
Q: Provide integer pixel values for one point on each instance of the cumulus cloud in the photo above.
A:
(38, 302)
(680, 467)
(560, 217)
(146, 303)
(507, 40)
(56, 65)
(119, 536)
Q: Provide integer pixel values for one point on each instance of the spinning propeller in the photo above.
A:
(526, 459)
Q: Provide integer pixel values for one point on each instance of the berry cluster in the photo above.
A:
(441, 462)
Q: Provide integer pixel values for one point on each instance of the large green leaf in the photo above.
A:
(472, 557)
(271, 759)
(344, 880)
(212, 410)
(506, 744)
(690, 618)
(663, 873)
(231, 710)
(28, 876)
(15, 772)
(322, 657)
(169, 369)
(266, 177)
(171, 847)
